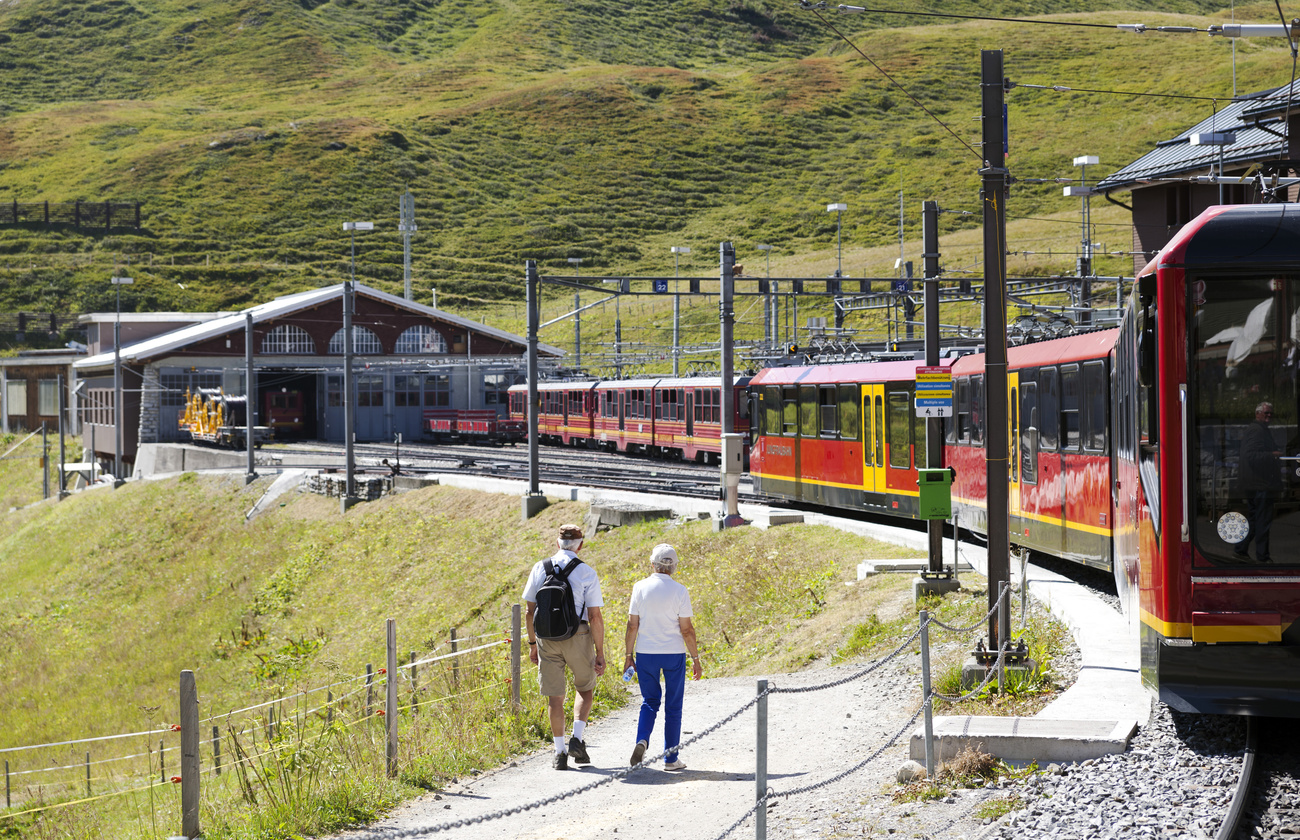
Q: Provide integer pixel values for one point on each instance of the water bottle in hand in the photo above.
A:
(627, 675)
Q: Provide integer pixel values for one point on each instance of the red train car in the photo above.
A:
(470, 425)
(1059, 446)
(1207, 414)
(843, 435)
(283, 411)
(670, 418)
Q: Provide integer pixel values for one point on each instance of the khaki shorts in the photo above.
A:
(577, 652)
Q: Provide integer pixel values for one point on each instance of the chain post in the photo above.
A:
(927, 700)
(760, 764)
(1002, 642)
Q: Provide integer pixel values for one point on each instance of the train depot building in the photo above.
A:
(407, 359)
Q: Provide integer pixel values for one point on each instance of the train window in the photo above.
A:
(772, 410)
(742, 407)
(900, 430)
(808, 410)
(963, 410)
(1014, 422)
(1069, 408)
(1049, 405)
(406, 390)
(715, 406)
(659, 405)
(849, 409)
(437, 391)
(828, 411)
(1030, 434)
(918, 432)
(1094, 406)
(977, 410)
(790, 411)
(880, 431)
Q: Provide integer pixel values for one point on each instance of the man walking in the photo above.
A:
(583, 653)
(660, 631)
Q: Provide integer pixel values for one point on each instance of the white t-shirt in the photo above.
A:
(583, 580)
(660, 601)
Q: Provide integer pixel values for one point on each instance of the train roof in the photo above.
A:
(1228, 238)
(665, 382)
(897, 371)
(1074, 348)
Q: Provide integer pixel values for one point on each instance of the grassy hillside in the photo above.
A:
(110, 594)
(546, 130)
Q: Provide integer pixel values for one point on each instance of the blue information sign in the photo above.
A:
(661, 286)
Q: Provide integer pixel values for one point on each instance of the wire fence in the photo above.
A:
(258, 738)
(55, 775)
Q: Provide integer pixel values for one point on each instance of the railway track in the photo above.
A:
(1266, 803)
(579, 467)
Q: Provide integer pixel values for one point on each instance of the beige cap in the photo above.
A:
(570, 532)
(664, 555)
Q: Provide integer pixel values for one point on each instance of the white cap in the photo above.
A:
(664, 555)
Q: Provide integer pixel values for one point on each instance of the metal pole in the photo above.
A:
(250, 392)
(677, 324)
(45, 464)
(760, 764)
(577, 330)
(925, 694)
(216, 750)
(390, 704)
(1024, 586)
(993, 195)
(933, 425)
(727, 316)
(407, 227)
(63, 454)
(515, 648)
(189, 767)
(349, 392)
(1004, 641)
(117, 393)
(618, 332)
(530, 273)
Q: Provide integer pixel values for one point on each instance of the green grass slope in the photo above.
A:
(542, 129)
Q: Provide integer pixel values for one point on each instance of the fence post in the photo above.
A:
(760, 764)
(1002, 643)
(925, 692)
(370, 682)
(216, 749)
(329, 708)
(189, 767)
(87, 774)
(390, 704)
(415, 687)
(162, 763)
(455, 660)
(516, 644)
(8, 802)
(1024, 586)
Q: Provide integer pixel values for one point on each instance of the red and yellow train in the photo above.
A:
(1166, 451)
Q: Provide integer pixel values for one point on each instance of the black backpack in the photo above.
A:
(556, 618)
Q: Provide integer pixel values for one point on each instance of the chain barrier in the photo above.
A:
(762, 803)
(854, 676)
(992, 672)
(980, 623)
(393, 833)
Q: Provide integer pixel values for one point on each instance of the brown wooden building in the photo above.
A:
(407, 358)
(29, 390)
(1163, 184)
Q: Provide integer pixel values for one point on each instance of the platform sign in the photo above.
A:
(661, 286)
(933, 392)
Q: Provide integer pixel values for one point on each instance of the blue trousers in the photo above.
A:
(648, 668)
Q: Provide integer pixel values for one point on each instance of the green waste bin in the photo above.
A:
(935, 497)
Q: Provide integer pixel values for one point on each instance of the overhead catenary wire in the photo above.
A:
(1126, 27)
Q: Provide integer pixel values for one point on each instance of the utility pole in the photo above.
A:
(533, 500)
(349, 381)
(993, 194)
(407, 226)
(933, 425)
(250, 398)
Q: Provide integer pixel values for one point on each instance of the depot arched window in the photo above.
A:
(364, 342)
(288, 340)
(420, 340)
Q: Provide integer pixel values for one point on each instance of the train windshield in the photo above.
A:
(1244, 355)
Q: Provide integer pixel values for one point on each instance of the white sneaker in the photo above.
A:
(676, 765)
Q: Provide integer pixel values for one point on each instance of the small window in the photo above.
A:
(419, 341)
(977, 410)
(437, 392)
(47, 398)
(1070, 408)
(963, 410)
(334, 391)
(880, 431)
(850, 409)
(1094, 406)
(1049, 407)
(1030, 434)
(808, 410)
(364, 343)
(16, 397)
(287, 339)
(828, 411)
(790, 411)
(370, 391)
(406, 390)
(900, 430)
(772, 410)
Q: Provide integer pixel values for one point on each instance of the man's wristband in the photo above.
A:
(532, 643)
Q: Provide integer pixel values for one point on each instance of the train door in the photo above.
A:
(1013, 436)
(873, 434)
(690, 412)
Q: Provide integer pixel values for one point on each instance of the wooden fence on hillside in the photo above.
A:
(105, 215)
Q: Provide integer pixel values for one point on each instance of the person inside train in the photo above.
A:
(1261, 482)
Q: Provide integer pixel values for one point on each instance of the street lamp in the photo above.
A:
(576, 262)
(677, 250)
(839, 209)
(349, 385)
(618, 328)
(1084, 266)
(118, 282)
(769, 322)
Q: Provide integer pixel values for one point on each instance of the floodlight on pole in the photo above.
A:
(677, 250)
(576, 262)
(838, 209)
(349, 385)
(118, 282)
(618, 327)
(770, 320)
